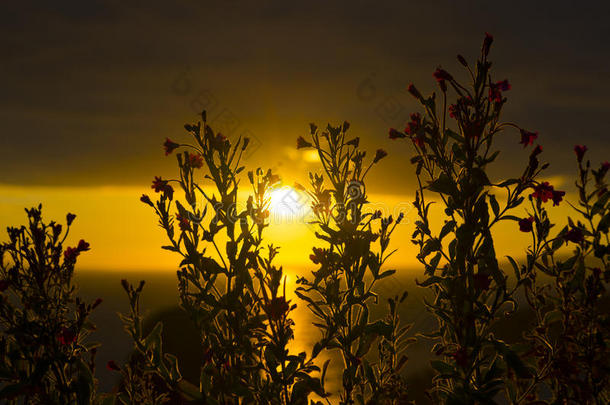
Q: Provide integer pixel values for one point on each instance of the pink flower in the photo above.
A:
(544, 192)
(496, 89)
(169, 146)
(414, 125)
(195, 160)
(70, 218)
(527, 138)
(503, 85)
(580, 152)
(525, 224)
(160, 185)
(441, 75)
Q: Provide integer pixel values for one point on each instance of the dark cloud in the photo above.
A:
(90, 89)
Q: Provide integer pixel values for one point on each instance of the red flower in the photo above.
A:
(525, 224)
(82, 246)
(146, 200)
(543, 191)
(503, 85)
(453, 110)
(527, 138)
(413, 125)
(605, 166)
(414, 92)
(394, 134)
(487, 43)
(496, 89)
(195, 160)
(220, 141)
(66, 336)
(481, 281)
(380, 154)
(442, 75)
(580, 152)
(169, 146)
(184, 223)
(302, 143)
(277, 308)
(4, 285)
(574, 235)
(461, 357)
(71, 254)
(112, 366)
(557, 197)
(162, 185)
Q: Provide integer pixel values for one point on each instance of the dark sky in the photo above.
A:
(90, 91)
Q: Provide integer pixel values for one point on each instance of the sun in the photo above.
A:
(287, 203)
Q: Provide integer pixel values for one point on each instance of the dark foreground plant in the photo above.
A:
(342, 289)
(228, 286)
(45, 357)
(570, 341)
(455, 147)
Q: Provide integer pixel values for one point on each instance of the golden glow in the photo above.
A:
(287, 204)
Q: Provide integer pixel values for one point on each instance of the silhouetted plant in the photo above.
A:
(227, 286)
(45, 357)
(571, 337)
(471, 291)
(342, 289)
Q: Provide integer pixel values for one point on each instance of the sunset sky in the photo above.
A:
(90, 91)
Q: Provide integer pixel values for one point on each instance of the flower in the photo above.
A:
(162, 185)
(71, 254)
(302, 143)
(413, 125)
(496, 89)
(414, 92)
(481, 281)
(380, 154)
(66, 336)
(527, 138)
(487, 43)
(146, 200)
(574, 235)
(442, 75)
(195, 160)
(580, 152)
(183, 223)
(82, 246)
(461, 357)
(169, 146)
(70, 218)
(525, 224)
(354, 142)
(112, 366)
(543, 191)
(395, 134)
(557, 197)
(277, 308)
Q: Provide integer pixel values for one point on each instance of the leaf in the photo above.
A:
(495, 207)
(443, 184)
